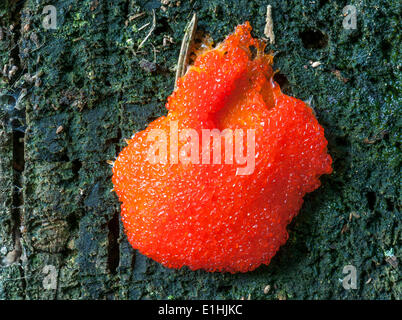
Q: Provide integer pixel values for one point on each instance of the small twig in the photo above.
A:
(150, 31)
(269, 26)
(154, 50)
(185, 48)
(144, 26)
(135, 16)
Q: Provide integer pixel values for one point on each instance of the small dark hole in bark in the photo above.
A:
(390, 205)
(76, 166)
(282, 80)
(64, 158)
(162, 26)
(218, 11)
(342, 141)
(224, 288)
(314, 39)
(371, 199)
(73, 221)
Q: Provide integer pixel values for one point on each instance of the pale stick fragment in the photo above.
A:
(135, 16)
(150, 30)
(185, 48)
(144, 26)
(59, 129)
(267, 288)
(269, 26)
(316, 64)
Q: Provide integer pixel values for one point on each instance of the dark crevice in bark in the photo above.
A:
(18, 201)
(113, 259)
(133, 260)
(113, 249)
(18, 127)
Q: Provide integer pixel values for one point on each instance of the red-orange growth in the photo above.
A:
(205, 216)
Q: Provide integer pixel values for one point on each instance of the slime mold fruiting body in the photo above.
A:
(205, 216)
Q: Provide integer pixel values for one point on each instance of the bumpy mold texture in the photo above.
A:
(205, 216)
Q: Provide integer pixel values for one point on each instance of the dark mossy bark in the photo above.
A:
(80, 89)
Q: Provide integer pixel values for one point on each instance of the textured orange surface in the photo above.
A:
(205, 216)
